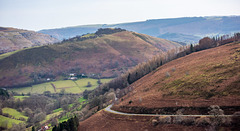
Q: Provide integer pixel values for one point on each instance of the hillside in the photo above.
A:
(107, 53)
(186, 29)
(200, 79)
(188, 85)
(12, 39)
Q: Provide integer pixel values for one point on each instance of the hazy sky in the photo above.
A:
(45, 14)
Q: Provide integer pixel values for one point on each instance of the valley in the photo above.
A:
(57, 79)
(118, 79)
(119, 65)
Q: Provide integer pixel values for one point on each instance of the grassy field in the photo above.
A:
(5, 121)
(62, 119)
(14, 113)
(69, 86)
(57, 110)
(20, 97)
(2, 56)
(81, 99)
(48, 117)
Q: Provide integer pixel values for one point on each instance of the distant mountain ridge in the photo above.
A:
(106, 53)
(192, 27)
(12, 39)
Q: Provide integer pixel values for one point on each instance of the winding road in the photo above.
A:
(108, 109)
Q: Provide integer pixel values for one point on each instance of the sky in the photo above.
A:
(48, 14)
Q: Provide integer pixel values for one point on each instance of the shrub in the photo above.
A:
(130, 102)
(18, 127)
(22, 119)
(188, 121)
(89, 84)
(154, 122)
(203, 121)
(226, 121)
(236, 120)
(99, 81)
(28, 112)
(215, 110)
(39, 117)
(177, 119)
(165, 120)
(180, 111)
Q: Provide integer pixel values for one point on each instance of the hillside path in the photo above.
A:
(108, 109)
(54, 87)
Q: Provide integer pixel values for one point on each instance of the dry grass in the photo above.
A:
(213, 78)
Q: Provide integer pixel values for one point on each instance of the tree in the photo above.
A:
(89, 84)
(55, 128)
(4, 124)
(236, 121)
(18, 127)
(94, 102)
(54, 122)
(47, 93)
(70, 125)
(4, 94)
(49, 107)
(39, 117)
(205, 43)
(215, 110)
(85, 94)
(33, 128)
(191, 48)
(216, 121)
(99, 81)
(62, 92)
(65, 107)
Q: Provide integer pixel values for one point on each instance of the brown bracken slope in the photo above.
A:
(105, 121)
(12, 39)
(201, 79)
(107, 55)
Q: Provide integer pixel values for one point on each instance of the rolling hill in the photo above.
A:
(209, 77)
(106, 53)
(12, 39)
(185, 29)
(190, 84)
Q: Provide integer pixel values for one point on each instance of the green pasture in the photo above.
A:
(14, 113)
(5, 121)
(69, 86)
(2, 56)
(21, 98)
(48, 117)
(57, 110)
(81, 99)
